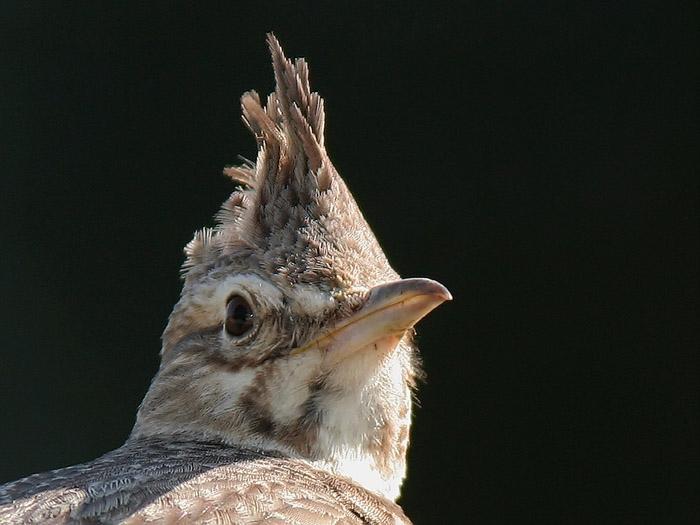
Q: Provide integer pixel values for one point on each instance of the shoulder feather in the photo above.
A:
(192, 482)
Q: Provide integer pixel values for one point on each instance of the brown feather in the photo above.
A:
(188, 481)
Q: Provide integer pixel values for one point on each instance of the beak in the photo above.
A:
(389, 311)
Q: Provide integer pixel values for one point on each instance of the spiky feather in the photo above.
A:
(293, 211)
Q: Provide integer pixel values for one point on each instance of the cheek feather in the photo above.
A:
(291, 386)
(229, 388)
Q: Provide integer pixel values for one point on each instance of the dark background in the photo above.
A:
(533, 156)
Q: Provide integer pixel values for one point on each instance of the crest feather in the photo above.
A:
(293, 210)
(198, 250)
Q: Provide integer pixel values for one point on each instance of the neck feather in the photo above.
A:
(348, 423)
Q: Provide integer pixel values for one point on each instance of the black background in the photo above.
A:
(533, 156)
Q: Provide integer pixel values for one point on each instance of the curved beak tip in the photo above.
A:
(443, 293)
(415, 297)
(423, 286)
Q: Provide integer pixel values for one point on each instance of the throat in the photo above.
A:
(363, 430)
(366, 451)
(358, 433)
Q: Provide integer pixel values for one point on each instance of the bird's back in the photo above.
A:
(158, 481)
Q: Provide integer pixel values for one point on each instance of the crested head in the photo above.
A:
(293, 332)
(294, 212)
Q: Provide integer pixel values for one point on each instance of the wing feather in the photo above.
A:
(158, 481)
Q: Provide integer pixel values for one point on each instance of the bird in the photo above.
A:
(288, 368)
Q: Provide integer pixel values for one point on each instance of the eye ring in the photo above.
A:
(239, 316)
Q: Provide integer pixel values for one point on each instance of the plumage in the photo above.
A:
(287, 367)
(171, 481)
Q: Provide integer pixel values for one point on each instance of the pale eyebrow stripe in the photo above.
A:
(312, 301)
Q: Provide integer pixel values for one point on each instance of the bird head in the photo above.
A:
(292, 333)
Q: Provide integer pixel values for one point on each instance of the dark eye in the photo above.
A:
(239, 316)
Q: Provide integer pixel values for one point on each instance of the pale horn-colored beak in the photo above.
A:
(390, 310)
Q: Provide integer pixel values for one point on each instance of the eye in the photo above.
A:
(239, 316)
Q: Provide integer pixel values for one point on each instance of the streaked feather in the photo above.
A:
(158, 480)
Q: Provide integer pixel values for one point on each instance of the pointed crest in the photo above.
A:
(293, 215)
